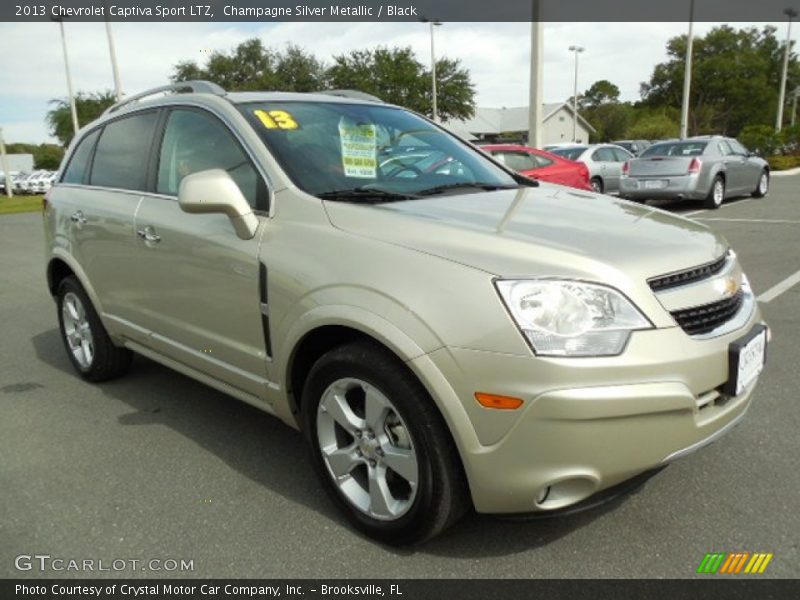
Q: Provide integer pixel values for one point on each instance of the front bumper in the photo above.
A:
(586, 424)
(687, 187)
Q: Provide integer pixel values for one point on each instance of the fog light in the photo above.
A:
(543, 494)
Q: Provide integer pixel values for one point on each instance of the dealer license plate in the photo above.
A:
(655, 184)
(746, 359)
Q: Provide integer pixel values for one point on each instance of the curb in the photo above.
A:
(785, 173)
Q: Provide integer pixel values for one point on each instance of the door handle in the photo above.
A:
(78, 218)
(149, 235)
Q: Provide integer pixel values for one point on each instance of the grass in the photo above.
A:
(20, 204)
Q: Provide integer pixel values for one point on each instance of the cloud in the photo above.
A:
(497, 55)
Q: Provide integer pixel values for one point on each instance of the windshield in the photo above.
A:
(675, 149)
(569, 152)
(329, 148)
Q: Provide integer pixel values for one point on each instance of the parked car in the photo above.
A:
(708, 168)
(20, 182)
(12, 175)
(445, 338)
(43, 183)
(603, 160)
(541, 165)
(34, 183)
(635, 147)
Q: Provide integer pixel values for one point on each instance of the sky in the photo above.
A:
(496, 54)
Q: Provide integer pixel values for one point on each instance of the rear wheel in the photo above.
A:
(762, 189)
(380, 446)
(597, 185)
(716, 194)
(88, 344)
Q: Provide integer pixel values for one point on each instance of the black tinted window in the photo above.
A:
(122, 152)
(79, 163)
(195, 141)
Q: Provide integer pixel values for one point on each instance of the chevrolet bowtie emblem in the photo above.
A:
(728, 286)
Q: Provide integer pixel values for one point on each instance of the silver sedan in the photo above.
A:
(709, 168)
(603, 160)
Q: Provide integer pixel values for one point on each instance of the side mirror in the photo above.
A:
(213, 191)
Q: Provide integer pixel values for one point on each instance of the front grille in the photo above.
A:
(703, 319)
(679, 278)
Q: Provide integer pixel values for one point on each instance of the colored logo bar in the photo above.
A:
(734, 563)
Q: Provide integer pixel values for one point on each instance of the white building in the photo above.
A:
(511, 124)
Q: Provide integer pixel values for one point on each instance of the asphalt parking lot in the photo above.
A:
(157, 466)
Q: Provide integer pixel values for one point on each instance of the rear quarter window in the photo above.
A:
(77, 169)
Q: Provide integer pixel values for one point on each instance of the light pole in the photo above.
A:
(535, 94)
(791, 14)
(577, 50)
(114, 68)
(794, 104)
(687, 76)
(7, 180)
(433, 23)
(73, 110)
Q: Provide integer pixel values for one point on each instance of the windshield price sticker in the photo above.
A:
(276, 119)
(359, 149)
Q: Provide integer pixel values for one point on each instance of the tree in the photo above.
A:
(392, 74)
(735, 79)
(395, 76)
(601, 92)
(654, 125)
(252, 66)
(88, 105)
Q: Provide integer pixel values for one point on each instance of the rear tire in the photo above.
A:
(88, 345)
(716, 195)
(597, 185)
(762, 187)
(363, 411)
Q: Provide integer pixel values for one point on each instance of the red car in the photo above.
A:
(541, 165)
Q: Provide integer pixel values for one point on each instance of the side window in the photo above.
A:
(603, 155)
(518, 161)
(79, 163)
(738, 148)
(541, 161)
(621, 155)
(122, 153)
(196, 141)
(725, 149)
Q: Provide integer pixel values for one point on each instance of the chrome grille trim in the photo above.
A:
(689, 276)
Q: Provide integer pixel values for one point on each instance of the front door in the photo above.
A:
(200, 294)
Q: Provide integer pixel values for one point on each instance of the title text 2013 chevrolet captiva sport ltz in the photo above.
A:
(446, 333)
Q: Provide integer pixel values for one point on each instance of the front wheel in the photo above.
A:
(716, 194)
(380, 446)
(762, 189)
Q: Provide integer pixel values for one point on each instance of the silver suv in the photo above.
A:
(446, 333)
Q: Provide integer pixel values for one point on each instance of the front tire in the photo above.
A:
(88, 345)
(762, 188)
(380, 446)
(716, 195)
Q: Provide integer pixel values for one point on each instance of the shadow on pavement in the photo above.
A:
(266, 451)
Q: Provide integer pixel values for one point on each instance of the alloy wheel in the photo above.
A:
(77, 330)
(367, 449)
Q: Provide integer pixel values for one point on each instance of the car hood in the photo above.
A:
(538, 231)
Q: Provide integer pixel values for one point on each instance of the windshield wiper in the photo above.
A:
(365, 194)
(488, 187)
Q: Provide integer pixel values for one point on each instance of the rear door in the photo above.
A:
(200, 292)
(610, 168)
(100, 192)
(736, 170)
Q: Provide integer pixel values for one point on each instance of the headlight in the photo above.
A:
(571, 318)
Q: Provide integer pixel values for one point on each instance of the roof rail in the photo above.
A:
(180, 87)
(354, 94)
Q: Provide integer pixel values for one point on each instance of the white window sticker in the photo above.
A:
(359, 149)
